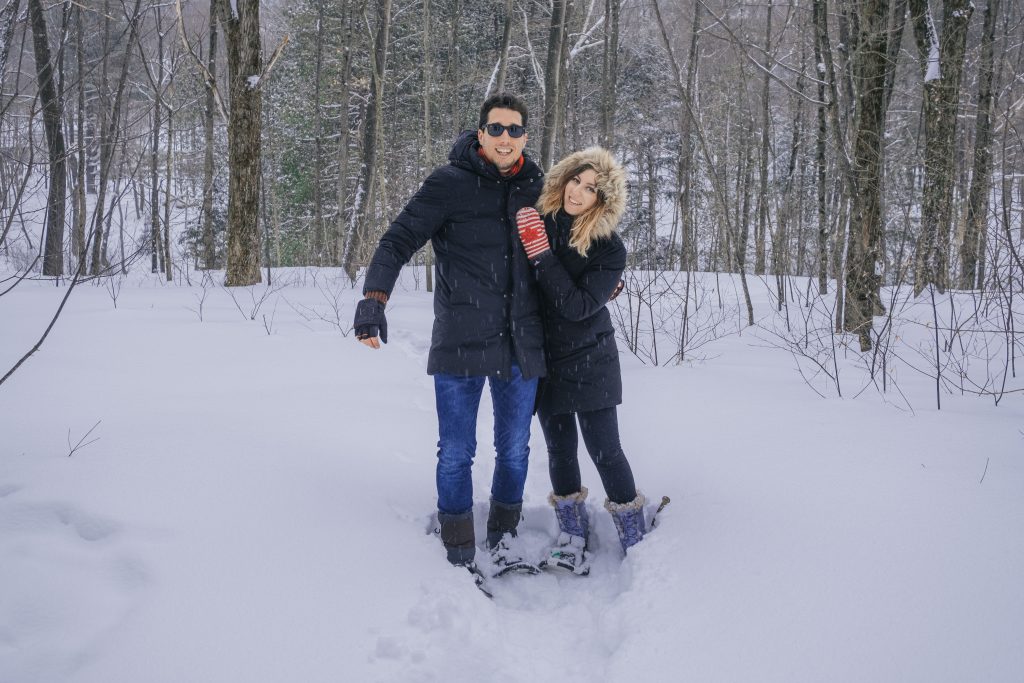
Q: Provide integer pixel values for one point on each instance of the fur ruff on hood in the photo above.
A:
(611, 184)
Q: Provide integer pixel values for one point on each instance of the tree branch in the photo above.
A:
(211, 82)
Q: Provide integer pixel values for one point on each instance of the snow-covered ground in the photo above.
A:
(252, 504)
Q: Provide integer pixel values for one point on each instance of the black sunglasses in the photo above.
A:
(496, 129)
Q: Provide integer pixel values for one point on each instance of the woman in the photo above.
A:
(578, 260)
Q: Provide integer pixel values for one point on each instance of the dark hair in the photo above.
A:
(502, 100)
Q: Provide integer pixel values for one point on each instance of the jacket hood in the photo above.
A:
(611, 184)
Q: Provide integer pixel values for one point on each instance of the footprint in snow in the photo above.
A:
(546, 615)
(68, 576)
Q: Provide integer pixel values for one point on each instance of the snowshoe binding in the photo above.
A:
(569, 554)
(507, 560)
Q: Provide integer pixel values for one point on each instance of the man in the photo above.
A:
(487, 322)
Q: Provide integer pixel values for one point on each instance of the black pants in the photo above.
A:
(600, 429)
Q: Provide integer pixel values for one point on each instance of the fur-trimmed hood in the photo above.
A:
(611, 184)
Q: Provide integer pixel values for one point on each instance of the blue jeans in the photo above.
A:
(458, 402)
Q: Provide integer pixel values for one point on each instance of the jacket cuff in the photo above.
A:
(543, 258)
(377, 295)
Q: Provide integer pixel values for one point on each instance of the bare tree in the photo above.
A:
(241, 22)
(8, 20)
(610, 71)
(761, 227)
(453, 72)
(871, 65)
(81, 144)
(942, 65)
(428, 142)
(821, 162)
(321, 241)
(111, 132)
(168, 192)
(971, 255)
(157, 83)
(720, 192)
(209, 113)
(688, 233)
(554, 82)
(506, 40)
(53, 107)
(349, 16)
(360, 229)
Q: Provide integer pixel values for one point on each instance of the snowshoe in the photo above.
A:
(507, 560)
(568, 554)
(478, 578)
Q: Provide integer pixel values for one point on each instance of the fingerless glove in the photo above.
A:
(370, 321)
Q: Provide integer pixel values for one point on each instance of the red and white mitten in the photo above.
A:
(531, 232)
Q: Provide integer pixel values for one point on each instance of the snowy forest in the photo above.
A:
(859, 144)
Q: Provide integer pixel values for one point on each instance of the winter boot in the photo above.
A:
(629, 520)
(569, 551)
(502, 520)
(458, 537)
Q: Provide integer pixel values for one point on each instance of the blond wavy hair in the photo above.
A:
(600, 220)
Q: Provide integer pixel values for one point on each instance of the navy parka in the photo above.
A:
(582, 358)
(486, 308)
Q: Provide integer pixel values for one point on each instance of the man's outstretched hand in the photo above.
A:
(371, 327)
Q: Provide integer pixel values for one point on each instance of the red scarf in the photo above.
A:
(516, 167)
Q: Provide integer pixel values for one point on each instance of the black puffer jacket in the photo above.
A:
(583, 361)
(486, 309)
